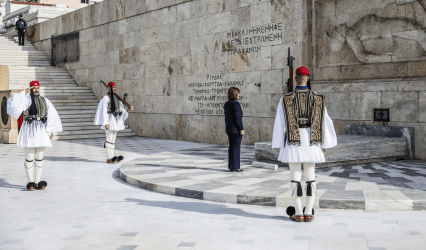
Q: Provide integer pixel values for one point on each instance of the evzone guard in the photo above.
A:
(111, 114)
(302, 132)
(39, 121)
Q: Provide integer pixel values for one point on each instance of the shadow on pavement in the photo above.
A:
(5, 184)
(205, 208)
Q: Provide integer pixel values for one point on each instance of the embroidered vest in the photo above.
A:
(41, 109)
(303, 107)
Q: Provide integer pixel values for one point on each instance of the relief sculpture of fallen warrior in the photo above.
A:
(374, 27)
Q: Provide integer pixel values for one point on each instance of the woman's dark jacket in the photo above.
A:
(233, 117)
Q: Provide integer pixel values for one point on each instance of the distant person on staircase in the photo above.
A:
(111, 114)
(21, 27)
(40, 121)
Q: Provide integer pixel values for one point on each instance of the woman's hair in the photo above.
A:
(233, 93)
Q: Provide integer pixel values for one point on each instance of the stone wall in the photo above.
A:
(175, 60)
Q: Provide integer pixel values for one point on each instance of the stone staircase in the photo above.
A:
(76, 105)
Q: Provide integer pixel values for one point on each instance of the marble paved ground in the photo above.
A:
(202, 173)
(87, 206)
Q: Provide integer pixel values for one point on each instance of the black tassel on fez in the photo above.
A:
(113, 107)
(33, 107)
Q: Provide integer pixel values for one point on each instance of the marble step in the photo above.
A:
(74, 98)
(34, 72)
(15, 46)
(73, 102)
(21, 76)
(68, 93)
(46, 83)
(79, 116)
(71, 112)
(64, 88)
(77, 124)
(89, 132)
(47, 80)
(21, 56)
(17, 64)
(24, 60)
(80, 107)
(65, 120)
(92, 102)
(350, 150)
(18, 48)
(41, 69)
(37, 52)
(65, 91)
(76, 137)
(84, 128)
(44, 68)
(25, 85)
(30, 75)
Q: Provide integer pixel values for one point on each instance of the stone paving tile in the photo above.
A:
(87, 206)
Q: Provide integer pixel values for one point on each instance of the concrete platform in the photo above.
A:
(350, 150)
(360, 145)
(202, 174)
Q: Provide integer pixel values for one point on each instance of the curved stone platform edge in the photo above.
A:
(284, 201)
(331, 164)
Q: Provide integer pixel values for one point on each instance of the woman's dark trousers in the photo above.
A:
(234, 151)
(21, 35)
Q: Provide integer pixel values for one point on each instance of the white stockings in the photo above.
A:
(296, 188)
(34, 155)
(110, 143)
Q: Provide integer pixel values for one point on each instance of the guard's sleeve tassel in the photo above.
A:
(299, 188)
(309, 188)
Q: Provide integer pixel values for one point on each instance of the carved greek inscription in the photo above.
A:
(210, 95)
(251, 40)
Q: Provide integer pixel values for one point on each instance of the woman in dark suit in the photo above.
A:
(234, 128)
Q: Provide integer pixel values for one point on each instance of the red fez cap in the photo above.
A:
(302, 71)
(34, 83)
(111, 84)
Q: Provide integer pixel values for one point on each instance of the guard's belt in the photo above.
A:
(116, 113)
(31, 119)
(307, 125)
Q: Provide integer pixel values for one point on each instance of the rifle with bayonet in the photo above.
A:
(119, 98)
(290, 62)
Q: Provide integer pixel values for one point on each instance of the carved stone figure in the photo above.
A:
(375, 27)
